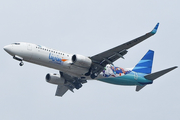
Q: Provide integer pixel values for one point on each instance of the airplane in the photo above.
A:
(75, 70)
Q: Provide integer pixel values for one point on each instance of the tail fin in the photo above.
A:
(155, 75)
(145, 64)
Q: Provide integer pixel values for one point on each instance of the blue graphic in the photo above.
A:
(155, 29)
(39, 46)
(55, 59)
(145, 64)
(113, 71)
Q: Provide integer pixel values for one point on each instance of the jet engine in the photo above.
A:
(55, 79)
(81, 61)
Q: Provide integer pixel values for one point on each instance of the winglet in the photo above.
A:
(155, 29)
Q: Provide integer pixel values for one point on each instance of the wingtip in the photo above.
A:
(155, 29)
(175, 67)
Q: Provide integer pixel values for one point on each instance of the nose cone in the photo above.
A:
(8, 49)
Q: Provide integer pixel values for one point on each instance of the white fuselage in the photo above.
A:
(44, 56)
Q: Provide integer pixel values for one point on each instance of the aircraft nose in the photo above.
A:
(8, 48)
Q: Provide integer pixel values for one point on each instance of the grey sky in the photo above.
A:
(88, 27)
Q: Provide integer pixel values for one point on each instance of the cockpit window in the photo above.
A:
(16, 43)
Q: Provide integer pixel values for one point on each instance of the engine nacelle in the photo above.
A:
(81, 61)
(55, 79)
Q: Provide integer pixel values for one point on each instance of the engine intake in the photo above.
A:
(55, 79)
(81, 61)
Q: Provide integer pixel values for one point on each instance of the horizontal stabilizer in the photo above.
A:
(155, 75)
(138, 87)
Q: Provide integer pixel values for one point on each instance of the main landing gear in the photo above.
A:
(94, 75)
(77, 85)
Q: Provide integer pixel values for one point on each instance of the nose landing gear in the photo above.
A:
(21, 63)
(16, 57)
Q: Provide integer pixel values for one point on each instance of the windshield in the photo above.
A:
(16, 43)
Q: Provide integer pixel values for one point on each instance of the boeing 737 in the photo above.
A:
(75, 70)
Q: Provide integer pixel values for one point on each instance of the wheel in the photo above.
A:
(94, 75)
(78, 85)
(89, 72)
(21, 63)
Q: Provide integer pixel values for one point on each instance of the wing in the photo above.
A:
(70, 84)
(113, 54)
(108, 57)
(61, 90)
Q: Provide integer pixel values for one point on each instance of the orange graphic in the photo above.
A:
(63, 60)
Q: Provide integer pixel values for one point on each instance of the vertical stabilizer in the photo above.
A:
(145, 64)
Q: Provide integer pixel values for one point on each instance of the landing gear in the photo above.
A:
(94, 75)
(21, 63)
(77, 85)
(19, 59)
(89, 72)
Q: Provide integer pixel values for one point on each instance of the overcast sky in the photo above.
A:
(89, 27)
